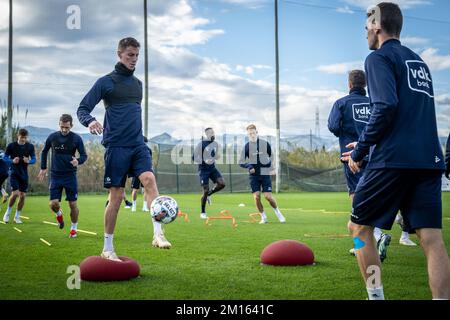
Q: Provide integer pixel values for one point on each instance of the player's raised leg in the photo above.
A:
(55, 206)
(151, 192)
(273, 203)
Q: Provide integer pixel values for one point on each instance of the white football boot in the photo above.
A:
(160, 241)
(110, 255)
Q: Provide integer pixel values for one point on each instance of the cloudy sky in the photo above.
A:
(211, 61)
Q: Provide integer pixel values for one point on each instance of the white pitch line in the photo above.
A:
(17, 229)
(46, 242)
(88, 232)
(52, 223)
(24, 217)
(2, 222)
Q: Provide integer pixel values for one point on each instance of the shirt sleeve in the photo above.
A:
(32, 155)
(90, 100)
(44, 153)
(243, 161)
(383, 97)
(335, 120)
(82, 151)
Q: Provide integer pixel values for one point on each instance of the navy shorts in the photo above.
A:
(18, 182)
(352, 179)
(381, 193)
(263, 182)
(67, 182)
(3, 177)
(212, 174)
(123, 161)
(136, 183)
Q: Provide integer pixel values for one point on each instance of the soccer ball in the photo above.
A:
(164, 209)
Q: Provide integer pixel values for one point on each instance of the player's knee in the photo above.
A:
(429, 239)
(257, 196)
(22, 195)
(73, 205)
(54, 204)
(268, 197)
(221, 185)
(148, 180)
(359, 230)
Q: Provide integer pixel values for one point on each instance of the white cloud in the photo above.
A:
(435, 61)
(341, 68)
(414, 41)
(404, 4)
(252, 4)
(345, 9)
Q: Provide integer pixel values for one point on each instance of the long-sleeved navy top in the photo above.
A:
(402, 129)
(63, 149)
(257, 155)
(16, 150)
(121, 93)
(349, 116)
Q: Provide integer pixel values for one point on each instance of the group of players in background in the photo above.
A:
(390, 135)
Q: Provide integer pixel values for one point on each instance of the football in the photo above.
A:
(164, 209)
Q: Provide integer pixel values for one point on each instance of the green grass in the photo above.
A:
(215, 262)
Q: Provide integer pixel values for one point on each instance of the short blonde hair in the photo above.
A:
(251, 127)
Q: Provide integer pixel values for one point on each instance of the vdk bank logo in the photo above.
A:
(419, 78)
(361, 112)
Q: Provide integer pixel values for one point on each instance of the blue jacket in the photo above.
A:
(63, 149)
(206, 150)
(14, 150)
(402, 129)
(257, 155)
(121, 93)
(349, 117)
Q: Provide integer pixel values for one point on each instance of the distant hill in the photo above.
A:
(39, 135)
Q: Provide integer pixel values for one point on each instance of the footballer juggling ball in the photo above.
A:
(287, 253)
(96, 268)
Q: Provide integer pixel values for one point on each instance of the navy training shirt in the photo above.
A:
(349, 117)
(121, 93)
(402, 130)
(14, 150)
(257, 155)
(63, 149)
(206, 150)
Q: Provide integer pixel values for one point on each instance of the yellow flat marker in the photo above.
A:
(52, 223)
(17, 229)
(88, 232)
(46, 242)
(24, 217)
(323, 235)
(2, 222)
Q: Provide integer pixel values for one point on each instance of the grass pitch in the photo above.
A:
(206, 262)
